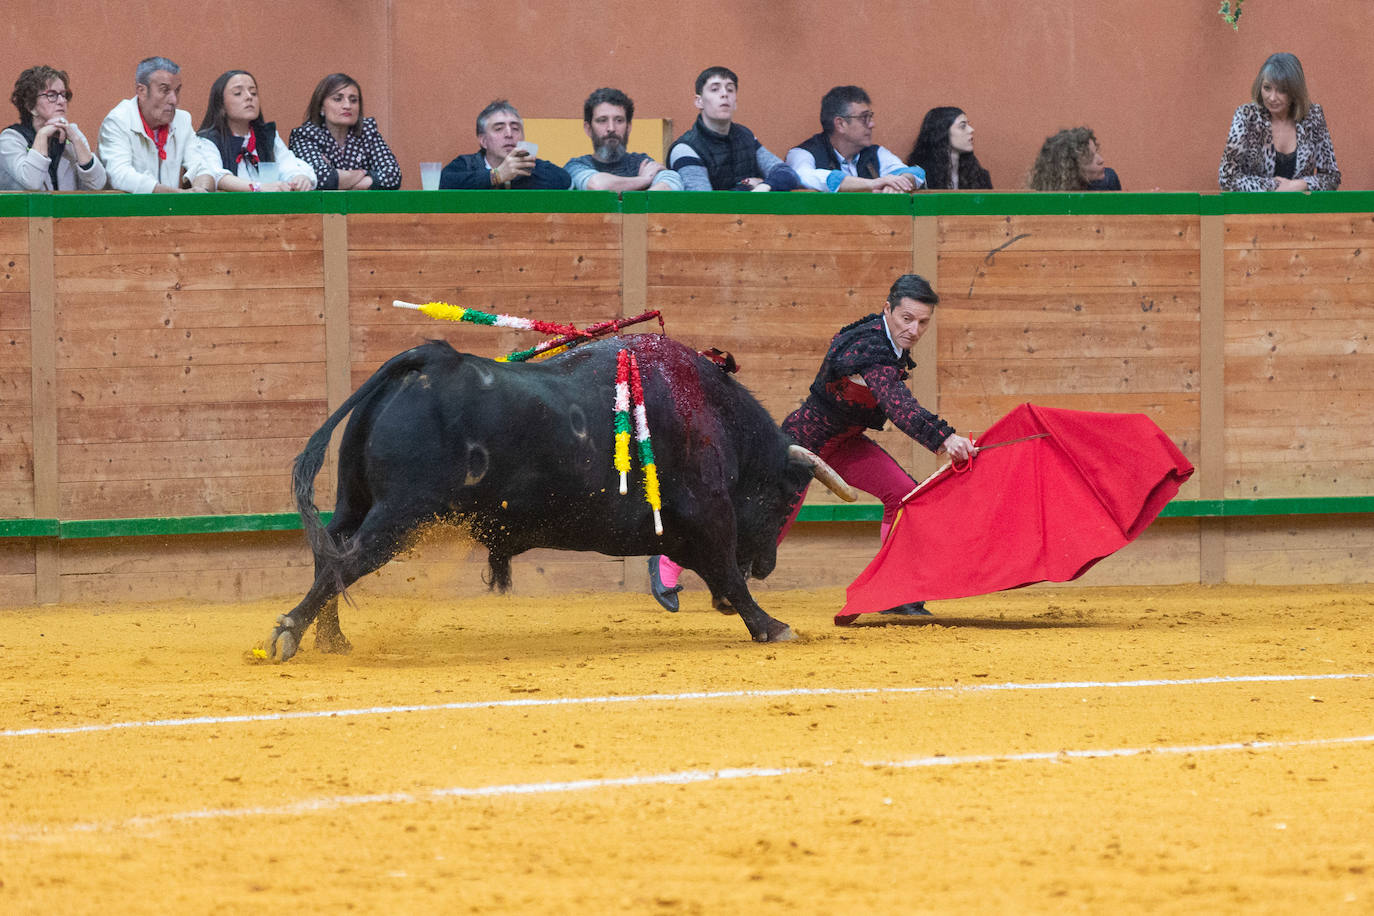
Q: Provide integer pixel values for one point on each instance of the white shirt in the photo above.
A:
(130, 156)
(203, 159)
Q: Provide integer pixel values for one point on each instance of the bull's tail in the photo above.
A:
(328, 552)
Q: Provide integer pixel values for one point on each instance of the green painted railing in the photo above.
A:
(76, 529)
(933, 203)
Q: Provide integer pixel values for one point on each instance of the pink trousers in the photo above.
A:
(862, 462)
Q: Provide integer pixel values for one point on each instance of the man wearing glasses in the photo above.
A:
(144, 140)
(844, 157)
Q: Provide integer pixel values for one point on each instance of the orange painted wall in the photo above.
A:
(1158, 81)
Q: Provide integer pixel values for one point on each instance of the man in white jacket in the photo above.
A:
(144, 141)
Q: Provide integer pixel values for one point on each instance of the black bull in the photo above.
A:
(520, 454)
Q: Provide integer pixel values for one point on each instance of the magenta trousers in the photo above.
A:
(864, 464)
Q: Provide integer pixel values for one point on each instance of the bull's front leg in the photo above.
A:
(732, 586)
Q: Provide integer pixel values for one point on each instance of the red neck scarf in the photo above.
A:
(250, 150)
(157, 134)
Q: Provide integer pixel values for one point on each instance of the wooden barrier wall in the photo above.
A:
(166, 359)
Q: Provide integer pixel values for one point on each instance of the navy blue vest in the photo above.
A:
(728, 159)
(826, 158)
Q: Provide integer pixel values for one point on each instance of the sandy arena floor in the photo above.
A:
(1163, 750)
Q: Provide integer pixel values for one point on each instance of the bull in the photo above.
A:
(519, 454)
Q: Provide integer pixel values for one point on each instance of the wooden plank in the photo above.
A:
(1101, 375)
(163, 460)
(1068, 305)
(79, 388)
(1146, 338)
(17, 590)
(1335, 406)
(14, 236)
(732, 269)
(14, 311)
(523, 268)
(1260, 267)
(489, 231)
(1299, 337)
(211, 421)
(189, 308)
(812, 306)
(14, 273)
(1297, 478)
(1177, 414)
(16, 346)
(43, 399)
(1299, 230)
(1317, 300)
(1051, 270)
(1285, 375)
(1164, 554)
(1133, 232)
(156, 272)
(232, 346)
(337, 347)
(185, 554)
(1329, 548)
(734, 232)
(142, 235)
(178, 496)
(1307, 439)
(634, 253)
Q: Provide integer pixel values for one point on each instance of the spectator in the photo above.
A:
(145, 140)
(606, 117)
(345, 149)
(944, 148)
(843, 157)
(1279, 141)
(43, 151)
(504, 160)
(1068, 161)
(717, 154)
(234, 144)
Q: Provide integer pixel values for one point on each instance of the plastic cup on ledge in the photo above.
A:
(429, 175)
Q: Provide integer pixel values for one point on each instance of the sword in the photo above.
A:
(1011, 441)
(961, 468)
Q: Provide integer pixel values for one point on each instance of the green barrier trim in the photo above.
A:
(79, 529)
(69, 205)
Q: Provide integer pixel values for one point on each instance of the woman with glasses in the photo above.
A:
(345, 149)
(240, 150)
(944, 148)
(1278, 140)
(44, 151)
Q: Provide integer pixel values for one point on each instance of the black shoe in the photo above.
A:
(914, 609)
(662, 594)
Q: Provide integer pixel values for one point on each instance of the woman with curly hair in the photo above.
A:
(944, 148)
(1068, 161)
(345, 149)
(1279, 141)
(237, 148)
(44, 151)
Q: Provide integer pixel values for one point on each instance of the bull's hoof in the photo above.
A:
(334, 642)
(722, 605)
(284, 640)
(776, 631)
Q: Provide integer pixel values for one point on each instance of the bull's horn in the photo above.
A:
(824, 473)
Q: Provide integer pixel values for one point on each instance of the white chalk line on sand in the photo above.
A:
(668, 698)
(681, 777)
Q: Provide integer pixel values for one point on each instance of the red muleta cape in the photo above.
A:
(1044, 510)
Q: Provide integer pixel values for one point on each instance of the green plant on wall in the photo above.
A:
(1230, 11)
